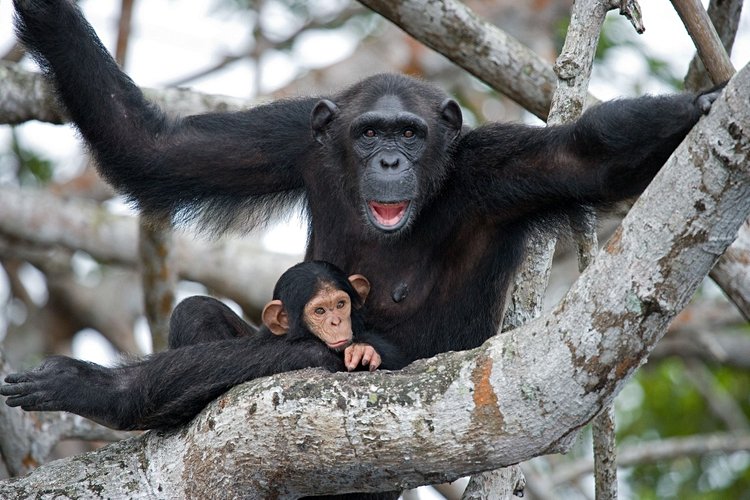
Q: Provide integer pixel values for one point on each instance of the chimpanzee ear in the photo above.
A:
(275, 317)
(322, 114)
(450, 112)
(361, 285)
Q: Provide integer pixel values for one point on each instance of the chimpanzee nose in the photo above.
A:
(389, 160)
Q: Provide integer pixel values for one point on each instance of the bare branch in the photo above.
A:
(573, 70)
(158, 278)
(707, 41)
(657, 451)
(727, 349)
(722, 405)
(490, 54)
(725, 17)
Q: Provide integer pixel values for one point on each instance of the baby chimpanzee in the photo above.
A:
(314, 301)
(316, 312)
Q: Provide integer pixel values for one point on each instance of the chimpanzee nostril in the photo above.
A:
(389, 161)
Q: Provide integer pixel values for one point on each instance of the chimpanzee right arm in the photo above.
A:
(213, 166)
(164, 390)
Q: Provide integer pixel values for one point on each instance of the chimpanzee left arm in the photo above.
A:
(610, 153)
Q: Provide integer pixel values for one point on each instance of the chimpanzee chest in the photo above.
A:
(424, 281)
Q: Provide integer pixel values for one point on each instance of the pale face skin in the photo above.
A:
(328, 316)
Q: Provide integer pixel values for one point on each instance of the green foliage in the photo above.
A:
(672, 407)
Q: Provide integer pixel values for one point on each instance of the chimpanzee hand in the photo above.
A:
(363, 354)
(62, 383)
(705, 100)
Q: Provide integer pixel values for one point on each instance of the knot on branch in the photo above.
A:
(567, 67)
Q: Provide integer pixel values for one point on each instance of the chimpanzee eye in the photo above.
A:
(320, 311)
(408, 133)
(370, 133)
(341, 304)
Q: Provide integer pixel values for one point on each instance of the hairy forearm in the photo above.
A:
(625, 142)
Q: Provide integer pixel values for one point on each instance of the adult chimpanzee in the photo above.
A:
(316, 311)
(434, 214)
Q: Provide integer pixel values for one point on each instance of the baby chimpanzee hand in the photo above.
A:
(363, 354)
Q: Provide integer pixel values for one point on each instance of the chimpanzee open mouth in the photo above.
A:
(388, 216)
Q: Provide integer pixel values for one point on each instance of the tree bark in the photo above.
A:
(520, 395)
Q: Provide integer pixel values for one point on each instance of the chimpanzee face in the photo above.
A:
(328, 316)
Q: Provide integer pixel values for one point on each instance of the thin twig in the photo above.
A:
(707, 41)
(725, 16)
(657, 451)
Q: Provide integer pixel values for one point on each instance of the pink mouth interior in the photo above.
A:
(389, 214)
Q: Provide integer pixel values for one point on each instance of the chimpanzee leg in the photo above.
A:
(204, 319)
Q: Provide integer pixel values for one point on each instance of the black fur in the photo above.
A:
(474, 197)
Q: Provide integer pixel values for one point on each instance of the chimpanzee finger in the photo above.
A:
(354, 355)
(28, 401)
(16, 389)
(15, 378)
(375, 361)
(366, 356)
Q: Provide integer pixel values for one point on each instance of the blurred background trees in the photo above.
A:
(70, 265)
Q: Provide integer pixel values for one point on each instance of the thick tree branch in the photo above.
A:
(520, 395)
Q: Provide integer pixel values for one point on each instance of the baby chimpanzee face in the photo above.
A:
(328, 316)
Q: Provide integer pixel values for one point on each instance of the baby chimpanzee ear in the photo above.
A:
(361, 285)
(275, 318)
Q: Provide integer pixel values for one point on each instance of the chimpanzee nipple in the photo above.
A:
(400, 292)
